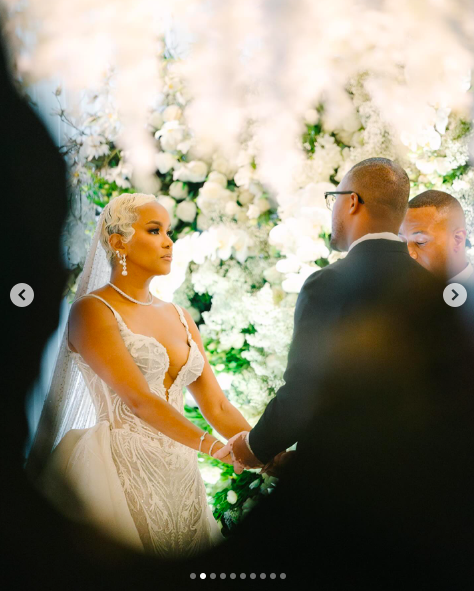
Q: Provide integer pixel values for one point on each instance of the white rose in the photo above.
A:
(178, 190)
(311, 116)
(310, 250)
(443, 166)
(221, 164)
(217, 177)
(272, 275)
(294, 281)
(168, 203)
(256, 189)
(245, 197)
(429, 138)
(441, 121)
(231, 208)
(279, 235)
(170, 135)
(263, 205)
(184, 146)
(156, 120)
(194, 172)
(231, 497)
(253, 212)
(288, 265)
(238, 341)
(165, 162)
(244, 175)
(351, 123)
(211, 190)
(203, 222)
(173, 112)
(186, 211)
(425, 167)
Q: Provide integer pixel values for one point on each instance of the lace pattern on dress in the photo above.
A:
(160, 477)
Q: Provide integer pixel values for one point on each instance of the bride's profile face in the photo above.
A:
(150, 247)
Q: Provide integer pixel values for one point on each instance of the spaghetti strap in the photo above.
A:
(114, 311)
(183, 320)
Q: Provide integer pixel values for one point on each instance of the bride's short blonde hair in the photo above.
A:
(119, 215)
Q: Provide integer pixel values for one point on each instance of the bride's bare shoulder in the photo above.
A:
(88, 306)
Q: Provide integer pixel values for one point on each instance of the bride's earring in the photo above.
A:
(123, 262)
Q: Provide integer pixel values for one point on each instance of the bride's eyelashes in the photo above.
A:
(157, 231)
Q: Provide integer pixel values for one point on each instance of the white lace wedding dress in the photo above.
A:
(137, 484)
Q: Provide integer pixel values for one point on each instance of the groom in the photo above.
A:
(368, 207)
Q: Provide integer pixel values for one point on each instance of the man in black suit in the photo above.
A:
(368, 207)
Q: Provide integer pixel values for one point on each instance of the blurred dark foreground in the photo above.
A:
(380, 495)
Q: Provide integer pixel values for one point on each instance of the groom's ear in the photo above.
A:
(354, 203)
(459, 239)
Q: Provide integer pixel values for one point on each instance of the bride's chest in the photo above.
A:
(182, 362)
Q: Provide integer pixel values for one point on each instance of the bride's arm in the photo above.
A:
(213, 404)
(94, 333)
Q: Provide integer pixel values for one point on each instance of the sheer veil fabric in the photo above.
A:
(67, 404)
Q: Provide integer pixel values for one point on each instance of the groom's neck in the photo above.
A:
(376, 227)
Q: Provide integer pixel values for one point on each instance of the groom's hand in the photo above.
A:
(242, 456)
(276, 466)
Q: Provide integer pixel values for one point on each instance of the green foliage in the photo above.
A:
(232, 359)
(194, 415)
(455, 174)
(100, 191)
(202, 302)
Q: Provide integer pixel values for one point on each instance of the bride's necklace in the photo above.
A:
(131, 299)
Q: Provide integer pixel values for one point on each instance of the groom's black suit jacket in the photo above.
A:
(376, 274)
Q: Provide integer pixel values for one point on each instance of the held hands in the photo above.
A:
(226, 459)
(242, 457)
(275, 466)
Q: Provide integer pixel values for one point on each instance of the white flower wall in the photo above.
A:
(239, 136)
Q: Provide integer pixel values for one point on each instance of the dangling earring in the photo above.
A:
(123, 262)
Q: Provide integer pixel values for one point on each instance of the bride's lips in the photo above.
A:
(167, 257)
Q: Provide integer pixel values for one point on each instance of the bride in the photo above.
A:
(136, 472)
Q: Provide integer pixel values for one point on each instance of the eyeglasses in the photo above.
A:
(330, 197)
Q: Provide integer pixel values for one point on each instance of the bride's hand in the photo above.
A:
(226, 459)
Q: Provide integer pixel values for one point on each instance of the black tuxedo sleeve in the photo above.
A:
(287, 414)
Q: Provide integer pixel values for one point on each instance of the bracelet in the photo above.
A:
(210, 449)
(202, 437)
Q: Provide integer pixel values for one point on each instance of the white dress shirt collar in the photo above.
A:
(466, 274)
(377, 236)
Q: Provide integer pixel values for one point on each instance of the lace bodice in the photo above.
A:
(152, 359)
